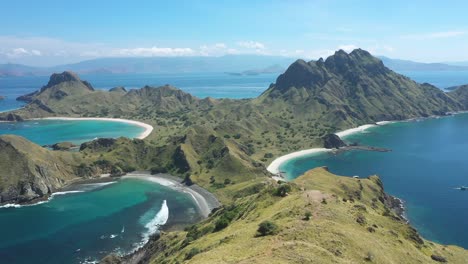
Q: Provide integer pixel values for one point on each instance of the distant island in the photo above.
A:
(225, 146)
(155, 65)
(407, 65)
(272, 69)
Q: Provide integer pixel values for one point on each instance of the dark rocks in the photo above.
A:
(361, 219)
(41, 105)
(56, 79)
(395, 204)
(11, 118)
(333, 141)
(438, 258)
(100, 143)
(63, 146)
(2, 97)
(66, 76)
(27, 97)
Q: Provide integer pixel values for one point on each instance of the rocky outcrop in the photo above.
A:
(63, 146)
(2, 97)
(11, 118)
(331, 141)
(57, 81)
(66, 76)
(27, 97)
(98, 144)
(30, 172)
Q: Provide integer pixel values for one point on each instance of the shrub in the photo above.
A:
(282, 190)
(307, 215)
(194, 251)
(267, 228)
(237, 136)
(268, 155)
(227, 181)
(222, 223)
(227, 136)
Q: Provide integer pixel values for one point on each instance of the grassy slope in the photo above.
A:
(214, 140)
(332, 235)
(29, 171)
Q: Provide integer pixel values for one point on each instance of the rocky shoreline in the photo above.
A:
(397, 205)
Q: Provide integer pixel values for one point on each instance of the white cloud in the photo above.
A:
(251, 45)
(20, 52)
(435, 35)
(347, 48)
(36, 52)
(213, 50)
(154, 51)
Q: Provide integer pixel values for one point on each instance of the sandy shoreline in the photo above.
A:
(205, 200)
(144, 134)
(275, 164)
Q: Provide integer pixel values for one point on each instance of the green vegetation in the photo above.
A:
(267, 228)
(224, 146)
(333, 236)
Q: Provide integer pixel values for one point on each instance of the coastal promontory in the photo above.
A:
(225, 145)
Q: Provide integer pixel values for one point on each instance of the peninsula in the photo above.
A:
(226, 146)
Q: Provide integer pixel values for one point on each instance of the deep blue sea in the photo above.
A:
(429, 159)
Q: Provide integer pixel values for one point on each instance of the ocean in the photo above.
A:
(428, 161)
(216, 85)
(82, 227)
(48, 132)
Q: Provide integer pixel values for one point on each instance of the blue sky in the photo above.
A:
(53, 32)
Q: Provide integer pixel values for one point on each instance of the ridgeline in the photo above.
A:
(224, 145)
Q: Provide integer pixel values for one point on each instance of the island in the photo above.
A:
(225, 146)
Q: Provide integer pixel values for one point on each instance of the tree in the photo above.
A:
(267, 228)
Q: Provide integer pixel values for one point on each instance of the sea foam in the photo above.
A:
(85, 188)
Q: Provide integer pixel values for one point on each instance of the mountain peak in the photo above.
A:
(66, 76)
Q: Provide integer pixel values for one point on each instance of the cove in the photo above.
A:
(92, 222)
(46, 132)
(429, 159)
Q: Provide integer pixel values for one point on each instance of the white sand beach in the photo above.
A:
(275, 164)
(350, 131)
(205, 201)
(144, 134)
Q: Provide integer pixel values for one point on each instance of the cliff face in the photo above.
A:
(30, 171)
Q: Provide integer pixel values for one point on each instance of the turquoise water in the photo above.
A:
(217, 85)
(75, 227)
(45, 132)
(428, 160)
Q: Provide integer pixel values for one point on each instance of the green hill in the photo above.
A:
(30, 171)
(224, 145)
(317, 218)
